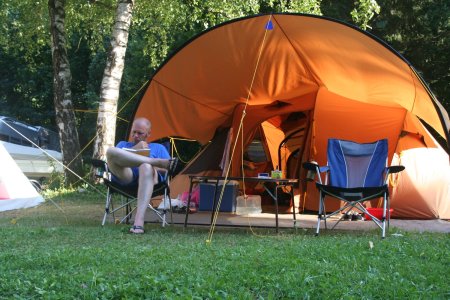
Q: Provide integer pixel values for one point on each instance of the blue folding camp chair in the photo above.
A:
(355, 173)
(123, 212)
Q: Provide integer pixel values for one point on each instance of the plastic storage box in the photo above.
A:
(228, 203)
(251, 205)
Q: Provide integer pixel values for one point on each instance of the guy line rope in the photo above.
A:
(240, 131)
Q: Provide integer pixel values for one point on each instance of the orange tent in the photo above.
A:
(300, 80)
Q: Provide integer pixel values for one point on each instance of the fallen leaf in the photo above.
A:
(397, 234)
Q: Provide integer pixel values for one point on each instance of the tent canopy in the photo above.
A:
(300, 79)
(300, 55)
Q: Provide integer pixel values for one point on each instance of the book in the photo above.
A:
(144, 152)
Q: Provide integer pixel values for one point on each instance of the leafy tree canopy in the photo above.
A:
(420, 31)
(417, 29)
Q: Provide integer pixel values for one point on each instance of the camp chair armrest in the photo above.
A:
(324, 169)
(98, 163)
(164, 173)
(313, 169)
(100, 169)
(168, 173)
(394, 169)
(310, 166)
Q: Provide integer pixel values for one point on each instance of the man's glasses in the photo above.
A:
(137, 133)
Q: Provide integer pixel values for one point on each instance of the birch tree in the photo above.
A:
(112, 76)
(65, 117)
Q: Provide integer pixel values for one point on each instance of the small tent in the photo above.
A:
(295, 81)
(16, 191)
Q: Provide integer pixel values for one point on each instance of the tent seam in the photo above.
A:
(299, 55)
(190, 99)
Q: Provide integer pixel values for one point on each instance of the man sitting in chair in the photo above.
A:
(131, 169)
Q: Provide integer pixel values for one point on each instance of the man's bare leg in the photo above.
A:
(148, 177)
(120, 161)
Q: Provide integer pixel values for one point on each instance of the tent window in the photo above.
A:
(255, 151)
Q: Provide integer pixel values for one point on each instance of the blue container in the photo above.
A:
(228, 203)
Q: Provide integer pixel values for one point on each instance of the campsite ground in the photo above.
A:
(305, 221)
(308, 220)
(93, 209)
(58, 250)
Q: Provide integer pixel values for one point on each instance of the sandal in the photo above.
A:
(134, 228)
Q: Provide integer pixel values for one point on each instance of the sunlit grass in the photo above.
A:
(59, 251)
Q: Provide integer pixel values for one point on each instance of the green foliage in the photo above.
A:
(26, 66)
(59, 251)
(24, 31)
(295, 6)
(364, 13)
(419, 30)
(416, 28)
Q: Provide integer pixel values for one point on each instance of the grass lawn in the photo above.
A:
(47, 253)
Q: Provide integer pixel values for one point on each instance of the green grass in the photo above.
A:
(48, 254)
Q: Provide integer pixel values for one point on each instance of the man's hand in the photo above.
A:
(141, 145)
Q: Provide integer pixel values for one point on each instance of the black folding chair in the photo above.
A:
(123, 211)
(355, 173)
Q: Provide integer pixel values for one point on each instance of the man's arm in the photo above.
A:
(141, 145)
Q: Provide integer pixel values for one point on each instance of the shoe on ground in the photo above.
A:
(347, 217)
(357, 217)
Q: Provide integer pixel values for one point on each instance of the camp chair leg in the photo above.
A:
(128, 212)
(318, 224)
(321, 214)
(383, 225)
(160, 215)
(107, 207)
(104, 218)
(347, 207)
(294, 217)
(385, 209)
(388, 210)
(167, 194)
(126, 207)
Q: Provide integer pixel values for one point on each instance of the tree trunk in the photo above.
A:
(65, 116)
(109, 91)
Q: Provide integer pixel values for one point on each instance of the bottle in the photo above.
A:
(276, 174)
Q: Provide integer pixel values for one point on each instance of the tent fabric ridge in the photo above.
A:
(439, 108)
(411, 72)
(255, 70)
(188, 98)
(299, 55)
(193, 38)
